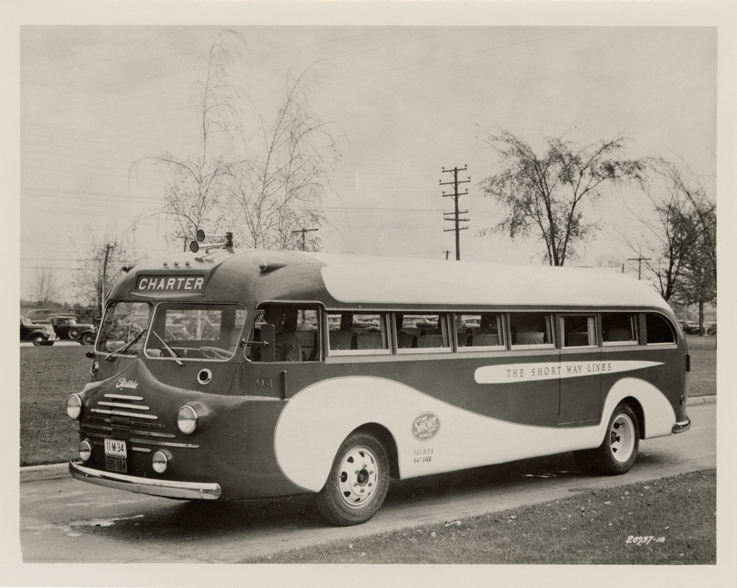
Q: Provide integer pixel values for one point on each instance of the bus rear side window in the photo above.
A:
(659, 329)
(619, 328)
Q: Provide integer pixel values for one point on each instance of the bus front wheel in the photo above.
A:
(618, 451)
(358, 482)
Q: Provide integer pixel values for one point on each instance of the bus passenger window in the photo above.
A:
(579, 331)
(619, 328)
(480, 330)
(340, 334)
(421, 332)
(530, 328)
(658, 329)
(357, 333)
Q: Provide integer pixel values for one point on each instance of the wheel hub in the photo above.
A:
(359, 473)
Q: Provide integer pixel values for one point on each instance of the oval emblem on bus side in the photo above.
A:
(426, 426)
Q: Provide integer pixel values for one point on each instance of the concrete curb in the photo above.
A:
(61, 470)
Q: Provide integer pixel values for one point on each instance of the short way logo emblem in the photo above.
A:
(426, 426)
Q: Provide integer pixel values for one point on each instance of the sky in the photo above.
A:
(409, 101)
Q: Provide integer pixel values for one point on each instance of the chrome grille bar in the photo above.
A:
(124, 413)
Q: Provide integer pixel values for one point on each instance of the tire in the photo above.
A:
(618, 451)
(74, 334)
(357, 484)
(38, 340)
(87, 339)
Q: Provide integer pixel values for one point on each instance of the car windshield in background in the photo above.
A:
(195, 331)
(123, 322)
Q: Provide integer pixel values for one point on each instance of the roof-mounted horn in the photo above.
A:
(225, 243)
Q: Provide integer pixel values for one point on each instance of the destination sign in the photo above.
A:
(170, 283)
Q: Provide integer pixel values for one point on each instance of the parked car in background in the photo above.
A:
(710, 328)
(68, 328)
(689, 327)
(36, 333)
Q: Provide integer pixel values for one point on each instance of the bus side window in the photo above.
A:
(426, 332)
(619, 328)
(530, 328)
(659, 329)
(579, 331)
(357, 333)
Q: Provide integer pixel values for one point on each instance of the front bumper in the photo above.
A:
(165, 488)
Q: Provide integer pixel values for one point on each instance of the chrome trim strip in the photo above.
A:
(142, 449)
(154, 434)
(164, 443)
(166, 488)
(123, 413)
(119, 405)
(123, 397)
(682, 426)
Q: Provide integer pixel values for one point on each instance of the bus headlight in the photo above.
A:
(160, 462)
(187, 419)
(85, 450)
(74, 406)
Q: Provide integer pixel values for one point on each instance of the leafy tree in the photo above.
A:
(543, 195)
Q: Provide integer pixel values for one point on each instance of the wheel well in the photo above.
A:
(387, 440)
(637, 409)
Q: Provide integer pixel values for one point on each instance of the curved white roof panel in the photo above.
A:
(391, 280)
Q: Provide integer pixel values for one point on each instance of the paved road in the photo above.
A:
(63, 520)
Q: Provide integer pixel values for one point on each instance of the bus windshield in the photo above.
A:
(195, 331)
(123, 323)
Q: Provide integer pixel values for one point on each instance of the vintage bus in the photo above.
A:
(238, 375)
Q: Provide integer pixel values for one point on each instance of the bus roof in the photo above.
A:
(339, 280)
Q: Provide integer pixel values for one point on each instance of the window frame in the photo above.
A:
(634, 326)
(592, 329)
(501, 325)
(550, 331)
(384, 328)
(444, 318)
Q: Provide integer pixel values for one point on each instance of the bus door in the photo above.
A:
(581, 369)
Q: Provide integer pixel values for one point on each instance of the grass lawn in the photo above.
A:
(668, 521)
(47, 376)
(703, 351)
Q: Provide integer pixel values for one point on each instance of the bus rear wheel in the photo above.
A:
(618, 451)
(358, 482)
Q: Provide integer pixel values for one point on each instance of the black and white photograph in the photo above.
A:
(384, 285)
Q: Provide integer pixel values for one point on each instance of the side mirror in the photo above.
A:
(268, 340)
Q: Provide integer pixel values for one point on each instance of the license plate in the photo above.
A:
(116, 456)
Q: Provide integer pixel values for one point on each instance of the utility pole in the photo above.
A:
(456, 215)
(447, 253)
(303, 231)
(639, 261)
(108, 247)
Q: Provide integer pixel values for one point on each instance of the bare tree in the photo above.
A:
(544, 194)
(98, 271)
(263, 194)
(278, 192)
(46, 287)
(678, 249)
(195, 195)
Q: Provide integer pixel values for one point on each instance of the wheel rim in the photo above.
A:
(358, 477)
(622, 438)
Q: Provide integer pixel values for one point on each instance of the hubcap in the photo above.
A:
(359, 474)
(622, 438)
